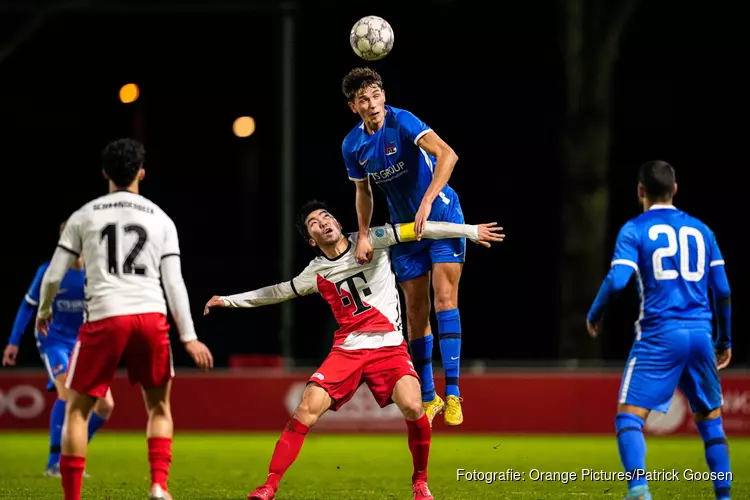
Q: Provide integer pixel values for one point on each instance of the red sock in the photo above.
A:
(420, 436)
(160, 458)
(287, 449)
(71, 469)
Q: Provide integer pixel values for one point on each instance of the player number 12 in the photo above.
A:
(109, 232)
(671, 250)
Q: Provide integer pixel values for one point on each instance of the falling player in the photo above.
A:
(129, 244)
(676, 260)
(55, 350)
(369, 346)
(412, 165)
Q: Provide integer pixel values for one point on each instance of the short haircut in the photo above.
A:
(304, 211)
(658, 179)
(121, 160)
(360, 78)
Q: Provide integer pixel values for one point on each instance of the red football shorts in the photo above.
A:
(142, 340)
(342, 372)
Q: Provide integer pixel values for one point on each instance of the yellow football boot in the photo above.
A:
(453, 414)
(434, 408)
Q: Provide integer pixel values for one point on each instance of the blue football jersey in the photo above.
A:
(392, 159)
(68, 306)
(673, 255)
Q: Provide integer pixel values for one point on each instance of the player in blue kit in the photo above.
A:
(676, 260)
(412, 165)
(56, 349)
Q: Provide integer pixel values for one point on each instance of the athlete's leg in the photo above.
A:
(102, 411)
(159, 434)
(445, 279)
(701, 385)
(411, 263)
(330, 387)
(315, 402)
(55, 359)
(391, 378)
(651, 376)
(75, 442)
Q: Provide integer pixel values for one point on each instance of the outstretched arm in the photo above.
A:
(303, 284)
(393, 234)
(265, 296)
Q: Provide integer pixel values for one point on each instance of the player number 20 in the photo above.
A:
(673, 239)
(110, 233)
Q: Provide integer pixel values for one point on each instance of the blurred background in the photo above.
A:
(550, 106)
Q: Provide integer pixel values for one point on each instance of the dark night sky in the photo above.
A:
(490, 85)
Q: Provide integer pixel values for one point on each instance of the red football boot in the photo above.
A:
(421, 491)
(264, 492)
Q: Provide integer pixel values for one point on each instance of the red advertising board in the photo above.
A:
(494, 402)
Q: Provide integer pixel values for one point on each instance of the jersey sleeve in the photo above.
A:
(305, 282)
(381, 236)
(70, 239)
(32, 295)
(355, 171)
(411, 127)
(626, 247)
(171, 240)
(716, 258)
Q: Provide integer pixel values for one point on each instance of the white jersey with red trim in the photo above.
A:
(363, 297)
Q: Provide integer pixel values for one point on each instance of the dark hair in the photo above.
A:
(121, 160)
(306, 209)
(658, 178)
(360, 78)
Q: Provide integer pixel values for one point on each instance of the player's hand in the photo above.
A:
(9, 355)
(215, 301)
(723, 358)
(363, 252)
(421, 218)
(42, 325)
(593, 329)
(489, 232)
(200, 354)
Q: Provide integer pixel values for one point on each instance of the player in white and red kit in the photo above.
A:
(130, 246)
(369, 346)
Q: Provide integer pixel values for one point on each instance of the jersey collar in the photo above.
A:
(662, 207)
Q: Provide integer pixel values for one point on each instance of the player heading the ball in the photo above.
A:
(412, 165)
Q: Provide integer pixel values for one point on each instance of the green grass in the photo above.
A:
(359, 467)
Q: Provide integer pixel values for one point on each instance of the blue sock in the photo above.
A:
(56, 420)
(717, 453)
(449, 330)
(421, 356)
(95, 422)
(632, 447)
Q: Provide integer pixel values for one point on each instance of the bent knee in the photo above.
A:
(412, 410)
(105, 407)
(307, 414)
(160, 408)
(446, 295)
(700, 416)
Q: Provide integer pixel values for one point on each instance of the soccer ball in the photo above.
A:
(371, 38)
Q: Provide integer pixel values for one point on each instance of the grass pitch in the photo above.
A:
(367, 467)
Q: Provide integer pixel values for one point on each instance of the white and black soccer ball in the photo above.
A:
(371, 38)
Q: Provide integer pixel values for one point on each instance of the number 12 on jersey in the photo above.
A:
(110, 234)
(670, 250)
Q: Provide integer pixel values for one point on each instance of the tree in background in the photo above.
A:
(591, 34)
